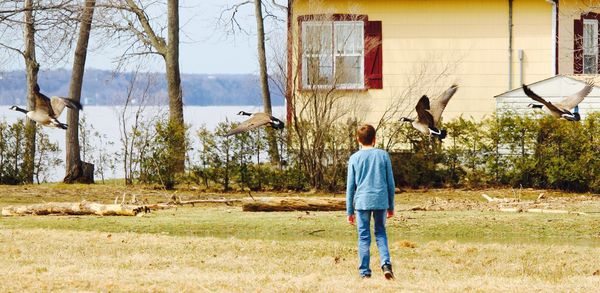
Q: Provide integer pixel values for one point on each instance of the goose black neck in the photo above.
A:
(537, 106)
(276, 123)
(19, 109)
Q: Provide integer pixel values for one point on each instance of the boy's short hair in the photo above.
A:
(366, 134)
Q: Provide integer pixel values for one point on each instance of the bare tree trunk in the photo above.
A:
(264, 80)
(75, 171)
(170, 52)
(32, 73)
(174, 86)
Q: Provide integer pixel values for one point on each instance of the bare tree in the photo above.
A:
(264, 80)
(33, 68)
(45, 26)
(229, 19)
(77, 171)
(136, 135)
(143, 33)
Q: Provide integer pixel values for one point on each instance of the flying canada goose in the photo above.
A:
(47, 110)
(256, 120)
(429, 114)
(563, 108)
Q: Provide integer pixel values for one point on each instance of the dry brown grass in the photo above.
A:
(220, 248)
(55, 260)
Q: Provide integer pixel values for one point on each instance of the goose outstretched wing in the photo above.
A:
(59, 103)
(539, 99)
(42, 104)
(438, 105)
(423, 113)
(571, 101)
(257, 120)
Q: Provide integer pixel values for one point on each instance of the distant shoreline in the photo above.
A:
(107, 88)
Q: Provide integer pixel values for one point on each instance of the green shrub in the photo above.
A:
(157, 164)
(507, 149)
(12, 149)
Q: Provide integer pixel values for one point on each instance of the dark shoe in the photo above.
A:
(387, 271)
(365, 276)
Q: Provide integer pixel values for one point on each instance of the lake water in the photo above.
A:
(104, 120)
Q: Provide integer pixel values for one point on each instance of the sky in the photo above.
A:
(205, 47)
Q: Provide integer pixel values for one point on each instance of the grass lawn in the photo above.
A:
(220, 248)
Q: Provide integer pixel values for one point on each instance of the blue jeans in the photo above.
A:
(363, 219)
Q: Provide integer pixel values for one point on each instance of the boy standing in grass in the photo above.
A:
(370, 193)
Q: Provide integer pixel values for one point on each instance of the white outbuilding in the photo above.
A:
(553, 89)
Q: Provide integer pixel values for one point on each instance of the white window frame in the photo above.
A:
(590, 49)
(332, 54)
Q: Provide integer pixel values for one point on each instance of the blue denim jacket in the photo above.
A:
(370, 184)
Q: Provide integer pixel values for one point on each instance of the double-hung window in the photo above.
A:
(333, 54)
(590, 46)
(586, 56)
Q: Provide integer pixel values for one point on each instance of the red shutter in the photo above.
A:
(578, 46)
(373, 55)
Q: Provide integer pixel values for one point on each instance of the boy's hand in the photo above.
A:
(390, 213)
(351, 219)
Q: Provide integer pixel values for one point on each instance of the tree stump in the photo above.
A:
(87, 173)
(83, 173)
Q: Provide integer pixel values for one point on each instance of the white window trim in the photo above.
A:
(361, 83)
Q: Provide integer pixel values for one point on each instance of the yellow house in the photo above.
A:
(382, 55)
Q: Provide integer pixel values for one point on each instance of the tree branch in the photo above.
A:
(13, 49)
(233, 23)
(157, 42)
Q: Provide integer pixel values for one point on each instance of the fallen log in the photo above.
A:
(195, 201)
(278, 204)
(499, 200)
(487, 197)
(74, 208)
(175, 204)
(547, 211)
(160, 206)
(542, 211)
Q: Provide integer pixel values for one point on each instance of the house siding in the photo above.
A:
(468, 39)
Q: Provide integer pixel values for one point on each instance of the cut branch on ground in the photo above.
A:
(74, 208)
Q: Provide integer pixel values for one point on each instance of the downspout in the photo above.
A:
(510, 43)
(521, 57)
(555, 36)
